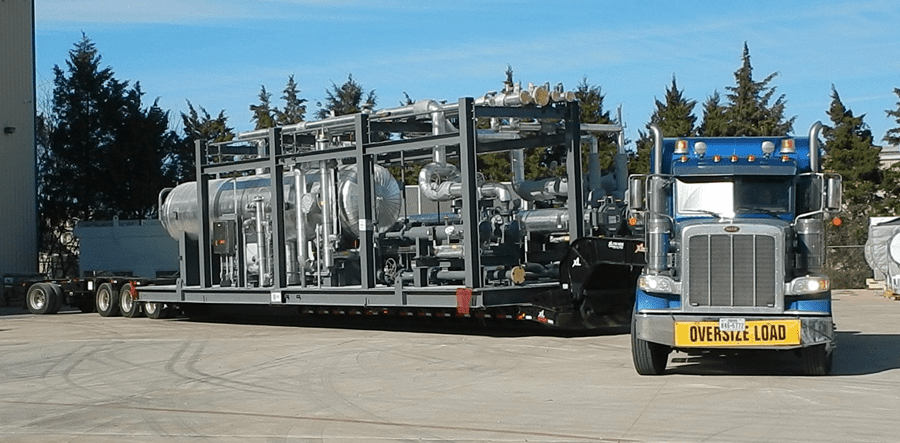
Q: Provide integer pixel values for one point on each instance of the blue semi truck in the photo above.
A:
(735, 249)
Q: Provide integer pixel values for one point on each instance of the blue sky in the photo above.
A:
(217, 53)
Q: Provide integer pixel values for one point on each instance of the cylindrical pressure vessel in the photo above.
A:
(179, 211)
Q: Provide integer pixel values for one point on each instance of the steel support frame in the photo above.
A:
(365, 152)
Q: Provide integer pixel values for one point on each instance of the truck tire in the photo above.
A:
(157, 311)
(58, 298)
(649, 358)
(107, 300)
(817, 360)
(127, 304)
(40, 298)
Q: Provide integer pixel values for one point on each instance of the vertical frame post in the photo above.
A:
(366, 199)
(468, 166)
(204, 243)
(276, 171)
(573, 168)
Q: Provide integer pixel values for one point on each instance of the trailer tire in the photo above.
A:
(649, 358)
(817, 360)
(107, 300)
(40, 298)
(127, 304)
(156, 310)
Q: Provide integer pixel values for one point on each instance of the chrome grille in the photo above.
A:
(732, 270)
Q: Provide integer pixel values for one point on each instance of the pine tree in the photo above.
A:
(590, 102)
(849, 152)
(294, 106)
(346, 99)
(263, 113)
(197, 126)
(715, 122)
(893, 135)
(890, 185)
(675, 117)
(748, 111)
(103, 153)
(204, 127)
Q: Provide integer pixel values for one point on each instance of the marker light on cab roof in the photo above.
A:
(681, 147)
(787, 146)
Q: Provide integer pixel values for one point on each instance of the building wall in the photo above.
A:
(18, 192)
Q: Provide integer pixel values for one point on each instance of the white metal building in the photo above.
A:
(18, 192)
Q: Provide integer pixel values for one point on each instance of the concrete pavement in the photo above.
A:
(82, 378)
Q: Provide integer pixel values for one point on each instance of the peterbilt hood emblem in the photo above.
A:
(732, 228)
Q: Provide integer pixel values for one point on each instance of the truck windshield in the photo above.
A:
(727, 196)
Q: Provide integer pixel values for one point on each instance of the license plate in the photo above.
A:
(737, 332)
(732, 324)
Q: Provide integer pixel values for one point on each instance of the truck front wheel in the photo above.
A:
(816, 360)
(107, 300)
(649, 358)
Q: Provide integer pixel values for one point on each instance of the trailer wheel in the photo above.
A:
(817, 360)
(129, 307)
(40, 298)
(649, 358)
(107, 300)
(157, 311)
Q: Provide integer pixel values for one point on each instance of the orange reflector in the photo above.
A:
(837, 221)
(632, 221)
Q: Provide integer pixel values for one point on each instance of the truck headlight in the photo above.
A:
(657, 283)
(809, 284)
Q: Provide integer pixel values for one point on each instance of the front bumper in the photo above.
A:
(660, 328)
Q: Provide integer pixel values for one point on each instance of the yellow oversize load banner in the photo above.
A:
(737, 333)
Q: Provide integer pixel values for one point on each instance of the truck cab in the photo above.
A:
(735, 249)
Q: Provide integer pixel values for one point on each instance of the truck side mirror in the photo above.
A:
(833, 193)
(636, 192)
